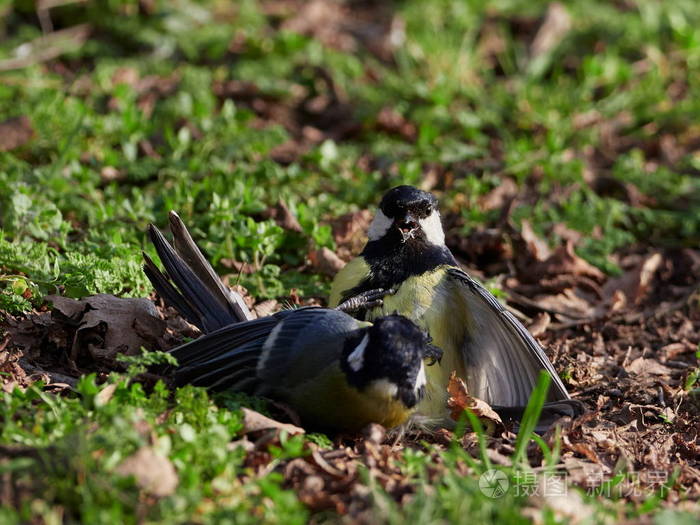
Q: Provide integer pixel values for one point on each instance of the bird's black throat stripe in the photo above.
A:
(391, 261)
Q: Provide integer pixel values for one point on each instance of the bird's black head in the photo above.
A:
(389, 357)
(408, 213)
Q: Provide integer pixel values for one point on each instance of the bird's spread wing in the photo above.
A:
(502, 358)
(257, 354)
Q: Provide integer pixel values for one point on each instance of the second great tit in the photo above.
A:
(336, 372)
(482, 341)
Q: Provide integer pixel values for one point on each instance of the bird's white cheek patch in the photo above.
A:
(420, 379)
(380, 225)
(357, 357)
(432, 228)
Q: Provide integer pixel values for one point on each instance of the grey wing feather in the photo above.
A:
(258, 356)
(502, 358)
(312, 340)
(227, 351)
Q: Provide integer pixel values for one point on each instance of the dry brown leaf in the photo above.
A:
(566, 233)
(324, 21)
(350, 233)
(153, 472)
(283, 217)
(110, 173)
(391, 121)
(265, 308)
(565, 504)
(110, 325)
(536, 246)
(570, 303)
(540, 324)
(634, 284)
(15, 132)
(254, 421)
(500, 196)
(104, 395)
(459, 400)
(241, 267)
(565, 261)
(326, 261)
(345, 25)
(644, 366)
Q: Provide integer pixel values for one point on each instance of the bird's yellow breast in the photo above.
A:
(432, 302)
(330, 402)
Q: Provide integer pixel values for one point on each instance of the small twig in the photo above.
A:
(324, 465)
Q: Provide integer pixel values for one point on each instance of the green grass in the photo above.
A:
(68, 226)
(68, 450)
(53, 196)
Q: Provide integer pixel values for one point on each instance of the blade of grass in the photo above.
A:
(531, 416)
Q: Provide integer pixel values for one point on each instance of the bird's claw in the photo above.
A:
(432, 354)
(365, 300)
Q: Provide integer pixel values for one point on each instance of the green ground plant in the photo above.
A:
(110, 155)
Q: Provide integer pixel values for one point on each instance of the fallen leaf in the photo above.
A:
(265, 308)
(104, 395)
(565, 233)
(15, 132)
(110, 325)
(540, 324)
(673, 350)
(110, 173)
(346, 25)
(459, 400)
(391, 121)
(153, 473)
(500, 196)
(634, 284)
(563, 261)
(326, 261)
(644, 366)
(565, 504)
(125, 75)
(254, 421)
(283, 217)
(536, 246)
(570, 303)
(350, 233)
(240, 266)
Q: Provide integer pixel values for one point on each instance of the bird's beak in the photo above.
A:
(407, 226)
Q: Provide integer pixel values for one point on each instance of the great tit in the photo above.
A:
(336, 372)
(483, 342)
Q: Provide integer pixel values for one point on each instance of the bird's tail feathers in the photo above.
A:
(189, 283)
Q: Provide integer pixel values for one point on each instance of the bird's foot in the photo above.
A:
(432, 354)
(365, 300)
